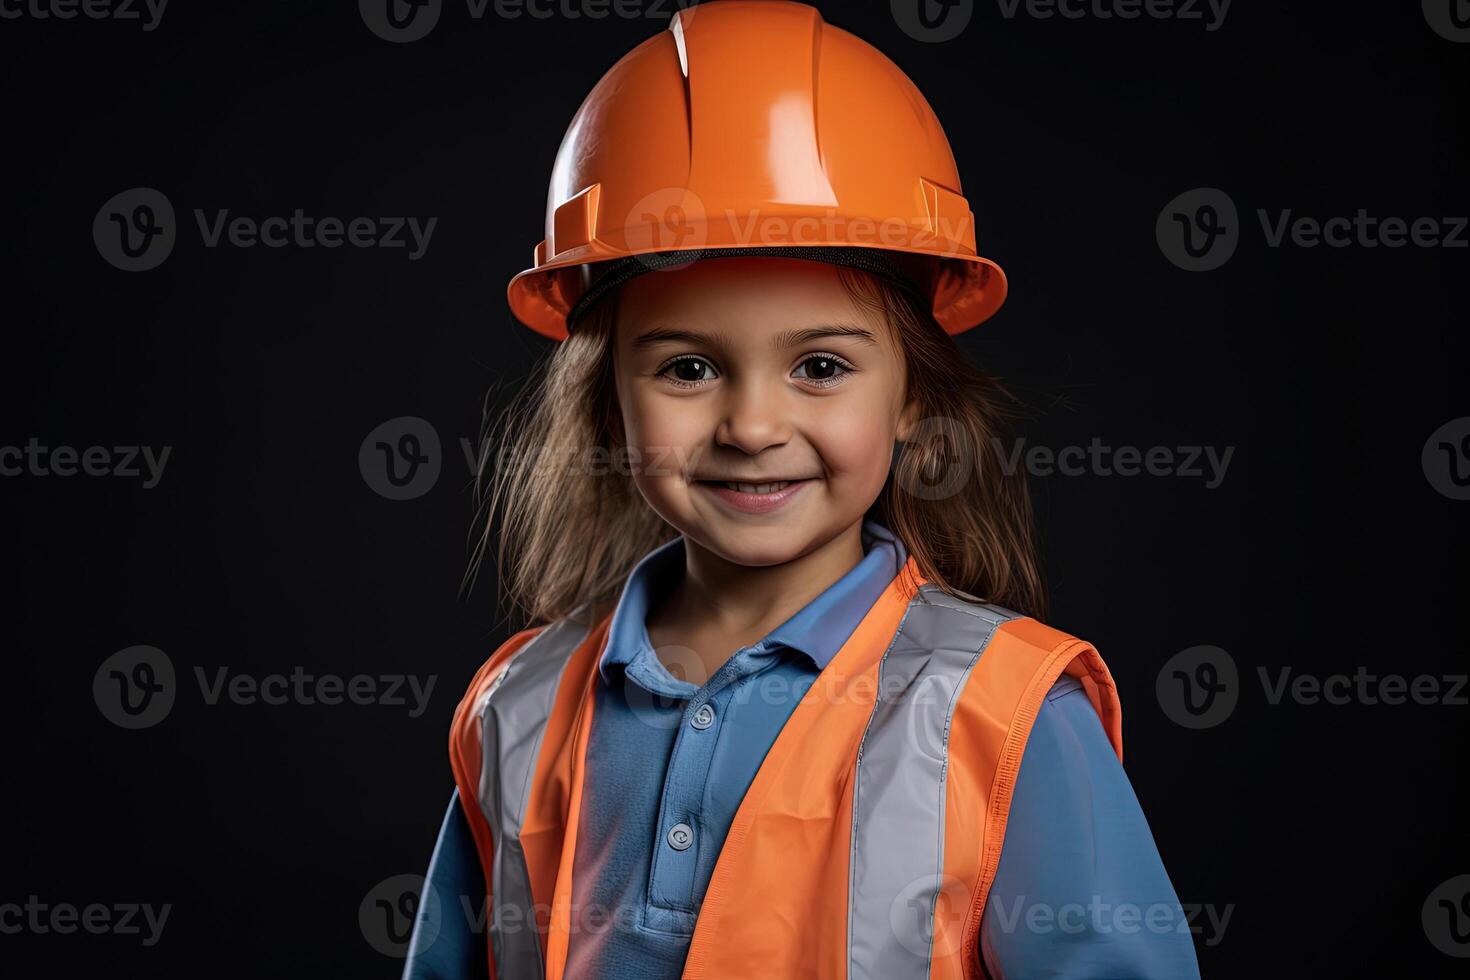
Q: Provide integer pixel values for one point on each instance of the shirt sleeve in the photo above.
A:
(448, 941)
(1080, 891)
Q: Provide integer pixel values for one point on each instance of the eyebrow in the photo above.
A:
(786, 338)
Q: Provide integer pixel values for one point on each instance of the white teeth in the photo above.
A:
(758, 487)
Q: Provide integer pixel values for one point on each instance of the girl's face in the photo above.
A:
(757, 370)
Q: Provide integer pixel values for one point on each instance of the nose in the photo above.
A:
(752, 418)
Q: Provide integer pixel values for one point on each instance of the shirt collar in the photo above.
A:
(818, 629)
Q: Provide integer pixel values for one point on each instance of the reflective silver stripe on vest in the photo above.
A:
(513, 714)
(897, 859)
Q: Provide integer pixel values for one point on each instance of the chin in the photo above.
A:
(753, 554)
(754, 544)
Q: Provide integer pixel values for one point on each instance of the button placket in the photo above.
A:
(671, 872)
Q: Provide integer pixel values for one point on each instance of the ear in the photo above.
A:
(908, 420)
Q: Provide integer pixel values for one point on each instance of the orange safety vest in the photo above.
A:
(867, 842)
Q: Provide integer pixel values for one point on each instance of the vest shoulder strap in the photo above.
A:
(492, 796)
(465, 751)
(1001, 700)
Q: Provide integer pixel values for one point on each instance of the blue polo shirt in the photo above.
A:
(671, 754)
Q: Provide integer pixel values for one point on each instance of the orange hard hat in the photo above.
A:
(753, 126)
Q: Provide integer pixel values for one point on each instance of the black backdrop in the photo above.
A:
(1333, 544)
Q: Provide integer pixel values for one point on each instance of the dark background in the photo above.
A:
(1322, 828)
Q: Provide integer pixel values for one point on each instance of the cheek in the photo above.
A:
(663, 438)
(857, 443)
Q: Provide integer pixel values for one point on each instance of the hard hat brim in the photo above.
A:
(968, 291)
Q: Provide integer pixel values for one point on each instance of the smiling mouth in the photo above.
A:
(755, 488)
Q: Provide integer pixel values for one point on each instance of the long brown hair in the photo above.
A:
(565, 540)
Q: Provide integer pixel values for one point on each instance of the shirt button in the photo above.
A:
(704, 716)
(681, 835)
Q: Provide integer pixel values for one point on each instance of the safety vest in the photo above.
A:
(867, 842)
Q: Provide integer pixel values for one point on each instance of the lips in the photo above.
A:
(753, 498)
(755, 487)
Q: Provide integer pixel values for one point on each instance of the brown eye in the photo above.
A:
(823, 369)
(688, 371)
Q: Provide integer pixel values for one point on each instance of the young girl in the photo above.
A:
(788, 709)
